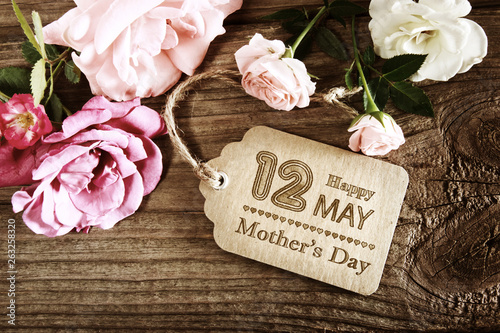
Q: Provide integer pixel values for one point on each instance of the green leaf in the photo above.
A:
(15, 80)
(338, 18)
(330, 44)
(379, 89)
(37, 23)
(25, 26)
(369, 56)
(348, 79)
(343, 8)
(38, 81)
(295, 26)
(52, 52)
(403, 66)
(55, 109)
(284, 14)
(31, 55)
(72, 72)
(411, 99)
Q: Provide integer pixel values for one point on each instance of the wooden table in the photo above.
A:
(160, 269)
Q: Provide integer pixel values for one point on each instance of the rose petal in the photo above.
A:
(150, 168)
(17, 165)
(131, 202)
(56, 162)
(196, 47)
(99, 201)
(65, 211)
(84, 119)
(141, 121)
(123, 164)
(114, 21)
(477, 46)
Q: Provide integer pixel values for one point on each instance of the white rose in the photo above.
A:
(436, 28)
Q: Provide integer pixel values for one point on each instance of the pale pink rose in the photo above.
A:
(21, 123)
(139, 48)
(373, 138)
(95, 171)
(281, 82)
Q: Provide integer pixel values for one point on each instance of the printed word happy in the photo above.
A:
(351, 190)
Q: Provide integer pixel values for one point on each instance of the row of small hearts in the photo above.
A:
(307, 226)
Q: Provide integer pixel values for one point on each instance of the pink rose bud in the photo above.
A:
(139, 48)
(281, 82)
(373, 138)
(94, 172)
(21, 123)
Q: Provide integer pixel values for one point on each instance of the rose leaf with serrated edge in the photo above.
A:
(411, 99)
(37, 23)
(15, 80)
(25, 26)
(402, 66)
(330, 44)
(38, 81)
(72, 72)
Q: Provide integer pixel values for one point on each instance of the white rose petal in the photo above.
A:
(436, 28)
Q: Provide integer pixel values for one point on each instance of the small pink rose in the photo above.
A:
(95, 171)
(281, 82)
(21, 122)
(134, 49)
(373, 138)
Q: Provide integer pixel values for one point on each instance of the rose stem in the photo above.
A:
(370, 104)
(4, 97)
(306, 30)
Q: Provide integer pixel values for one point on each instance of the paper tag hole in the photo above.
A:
(224, 181)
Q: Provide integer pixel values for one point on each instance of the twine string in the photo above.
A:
(201, 169)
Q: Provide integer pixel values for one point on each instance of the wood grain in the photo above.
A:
(160, 269)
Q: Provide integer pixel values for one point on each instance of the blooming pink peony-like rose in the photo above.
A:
(21, 122)
(281, 82)
(373, 138)
(139, 48)
(95, 171)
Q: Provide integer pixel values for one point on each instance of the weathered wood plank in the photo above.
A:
(160, 269)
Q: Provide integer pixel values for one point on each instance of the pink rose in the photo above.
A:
(281, 82)
(374, 139)
(16, 165)
(95, 171)
(21, 123)
(139, 48)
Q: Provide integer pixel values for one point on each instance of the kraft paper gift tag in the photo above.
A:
(303, 206)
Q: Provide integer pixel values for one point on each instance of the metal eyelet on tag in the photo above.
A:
(224, 181)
